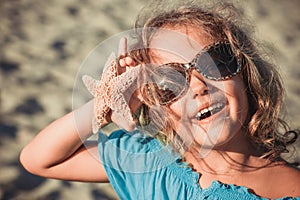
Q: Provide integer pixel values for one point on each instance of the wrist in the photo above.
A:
(83, 119)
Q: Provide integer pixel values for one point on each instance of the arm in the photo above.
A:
(58, 150)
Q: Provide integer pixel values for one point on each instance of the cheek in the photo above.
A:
(185, 106)
(177, 109)
(238, 101)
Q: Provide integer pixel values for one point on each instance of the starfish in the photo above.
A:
(109, 91)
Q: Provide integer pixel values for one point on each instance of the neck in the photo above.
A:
(237, 155)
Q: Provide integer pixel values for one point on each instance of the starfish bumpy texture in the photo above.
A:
(109, 91)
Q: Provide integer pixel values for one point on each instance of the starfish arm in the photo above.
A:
(100, 111)
(109, 92)
(121, 84)
(91, 84)
(99, 90)
(121, 106)
(109, 61)
(124, 81)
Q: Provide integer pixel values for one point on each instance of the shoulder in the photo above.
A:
(291, 177)
(140, 164)
(285, 180)
(133, 152)
(134, 142)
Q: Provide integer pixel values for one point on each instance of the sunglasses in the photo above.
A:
(215, 62)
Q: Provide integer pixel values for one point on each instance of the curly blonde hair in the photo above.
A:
(263, 83)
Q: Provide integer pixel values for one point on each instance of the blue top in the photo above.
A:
(139, 167)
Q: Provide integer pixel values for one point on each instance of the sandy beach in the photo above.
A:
(42, 47)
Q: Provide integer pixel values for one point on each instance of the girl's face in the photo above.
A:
(210, 112)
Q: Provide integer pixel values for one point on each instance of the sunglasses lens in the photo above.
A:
(169, 82)
(217, 63)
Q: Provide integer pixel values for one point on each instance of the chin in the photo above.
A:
(214, 136)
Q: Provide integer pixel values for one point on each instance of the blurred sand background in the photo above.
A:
(42, 45)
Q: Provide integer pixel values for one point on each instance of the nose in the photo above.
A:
(198, 85)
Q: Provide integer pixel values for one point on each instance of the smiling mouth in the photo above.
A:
(209, 111)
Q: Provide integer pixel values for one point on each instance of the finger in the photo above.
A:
(126, 61)
(129, 61)
(122, 51)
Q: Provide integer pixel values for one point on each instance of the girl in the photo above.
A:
(206, 97)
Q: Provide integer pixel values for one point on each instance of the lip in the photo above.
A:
(205, 105)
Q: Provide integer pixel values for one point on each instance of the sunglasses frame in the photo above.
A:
(188, 67)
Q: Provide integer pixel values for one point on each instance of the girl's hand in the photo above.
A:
(124, 60)
(125, 63)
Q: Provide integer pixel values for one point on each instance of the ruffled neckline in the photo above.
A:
(192, 178)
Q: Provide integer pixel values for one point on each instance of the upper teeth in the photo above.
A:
(210, 108)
